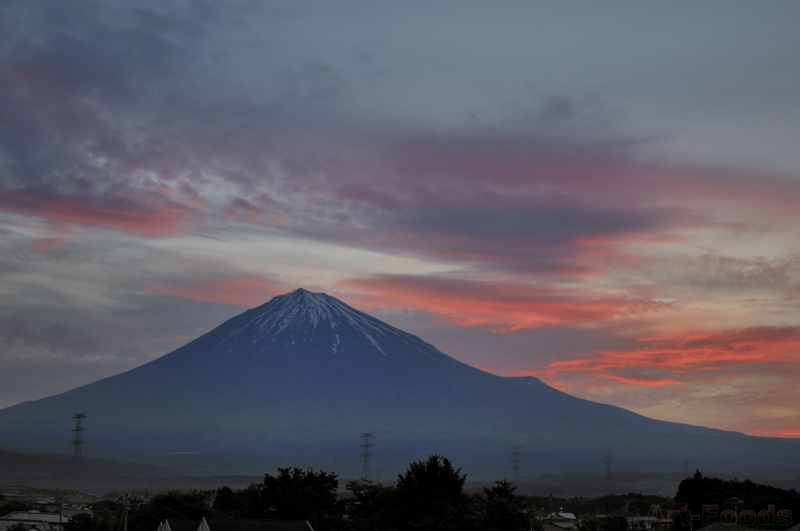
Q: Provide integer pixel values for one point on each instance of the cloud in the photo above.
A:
(158, 218)
(778, 431)
(248, 292)
(536, 224)
(709, 357)
(133, 113)
(735, 379)
(46, 244)
(506, 306)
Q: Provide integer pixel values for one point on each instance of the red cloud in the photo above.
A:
(741, 380)
(649, 382)
(154, 218)
(686, 357)
(789, 432)
(512, 307)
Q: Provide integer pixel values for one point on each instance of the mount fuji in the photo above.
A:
(304, 374)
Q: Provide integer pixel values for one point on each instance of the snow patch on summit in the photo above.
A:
(300, 309)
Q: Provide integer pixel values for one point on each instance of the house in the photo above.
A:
(546, 526)
(242, 524)
(34, 520)
(179, 525)
(234, 524)
(559, 522)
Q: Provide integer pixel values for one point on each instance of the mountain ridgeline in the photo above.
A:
(305, 374)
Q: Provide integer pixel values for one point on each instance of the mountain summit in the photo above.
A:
(305, 374)
(301, 319)
(295, 317)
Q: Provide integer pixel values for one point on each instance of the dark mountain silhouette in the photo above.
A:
(304, 374)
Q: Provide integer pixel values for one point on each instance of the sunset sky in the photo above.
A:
(605, 195)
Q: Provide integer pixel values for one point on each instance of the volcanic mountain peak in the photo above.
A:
(302, 310)
(301, 374)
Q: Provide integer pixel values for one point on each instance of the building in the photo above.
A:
(234, 524)
(179, 525)
(559, 522)
(34, 520)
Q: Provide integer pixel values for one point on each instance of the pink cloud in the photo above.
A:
(685, 354)
(46, 244)
(507, 306)
(777, 432)
(154, 218)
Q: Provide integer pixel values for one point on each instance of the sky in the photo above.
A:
(603, 195)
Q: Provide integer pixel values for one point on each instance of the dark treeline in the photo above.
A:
(755, 505)
(631, 504)
(429, 495)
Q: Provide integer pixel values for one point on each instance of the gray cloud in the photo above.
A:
(71, 316)
(537, 223)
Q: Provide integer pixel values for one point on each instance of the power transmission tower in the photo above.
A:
(609, 457)
(365, 472)
(76, 449)
(516, 460)
(686, 468)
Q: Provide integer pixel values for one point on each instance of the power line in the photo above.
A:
(365, 471)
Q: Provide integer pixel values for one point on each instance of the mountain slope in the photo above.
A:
(307, 373)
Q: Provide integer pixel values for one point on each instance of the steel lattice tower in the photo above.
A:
(365, 472)
(76, 449)
(609, 457)
(516, 461)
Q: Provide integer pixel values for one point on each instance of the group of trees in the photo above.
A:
(631, 503)
(756, 505)
(614, 522)
(429, 495)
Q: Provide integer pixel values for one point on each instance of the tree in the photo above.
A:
(192, 504)
(225, 502)
(175, 504)
(79, 522)
(696, 491)
(430, 495)
(500, 509)
(295, 494)
(368, 508)
(147, 516)
(249, 502)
